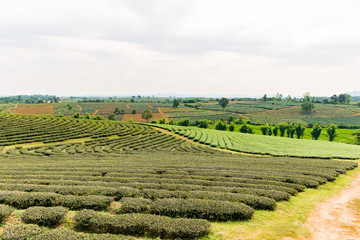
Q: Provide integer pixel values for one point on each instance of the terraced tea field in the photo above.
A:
(66, 178)
(268, 145)
(53, 136)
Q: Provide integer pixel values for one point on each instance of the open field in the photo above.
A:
(34, 109)
(276, 146)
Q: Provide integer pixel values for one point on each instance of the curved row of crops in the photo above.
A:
(100, 136)
(267, 145)
(157, 186)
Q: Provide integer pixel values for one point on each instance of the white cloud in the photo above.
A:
(187, 47)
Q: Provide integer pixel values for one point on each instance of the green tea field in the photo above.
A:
(67, 178)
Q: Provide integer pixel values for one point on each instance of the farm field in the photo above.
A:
(194, 114)
(97, 179)
(268, 145)
(163, 191)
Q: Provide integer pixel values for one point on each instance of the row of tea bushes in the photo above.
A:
(142, 224)
(34, 232)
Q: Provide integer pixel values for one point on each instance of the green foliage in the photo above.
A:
(142, 224)
(299, 130)
(290, 130)
(87, 116)
(282, 128)
(204, 124)
(197, 208)
(44, 216)
(176, 103)
(331, 132)
(276, 130)
(134, 205)
(117, 111)
(23, 200)
(223, 102)
(316, 131)
(133, 111)
(5, 211)
(111, 117)
(34, 232)
(77, 115)
(266, 129)
(184, 122)
(231, 127)
(307, 106)
(246, 128)
(147, 114)
(220, 125)
(357, 136)
(162, 121)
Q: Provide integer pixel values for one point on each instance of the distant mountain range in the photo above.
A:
(354, 93)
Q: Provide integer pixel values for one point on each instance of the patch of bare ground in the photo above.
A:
(162, 114)
(128, 106)
(149, 105)
(96, 111)
(334, 219)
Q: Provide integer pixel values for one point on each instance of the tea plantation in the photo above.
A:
(267, 145)
(116, 180)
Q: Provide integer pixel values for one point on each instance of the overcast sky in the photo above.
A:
(192, 47)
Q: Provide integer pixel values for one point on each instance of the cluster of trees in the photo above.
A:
(291, 129)
(87, 116)
(118, 111)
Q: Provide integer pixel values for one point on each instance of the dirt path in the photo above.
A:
(162, 114)
(333, 219)
(96, 111)
(149, 105)
(128, 106)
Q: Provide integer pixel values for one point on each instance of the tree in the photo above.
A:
(117, 111)
(264, 98)
(246, 128)
(307, 106)
(299, 130)
(282, 128)
(133, 111)
(290, 130)
(232, 127)
(266, 129)
(306, 97)
(77, 115)
(162, 121)
(342, 98)
(111, 116)
(331, 132)
(184, 122)
(276, 130)
(204, 124)
(220, 125)
(348, 98)
(357, 136)
(87, 116)
(176, 103)
(315, 133)
(334, 99)
(147, 114)
(223, 102)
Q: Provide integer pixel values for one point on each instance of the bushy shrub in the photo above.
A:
(142, 224)
(5, 211)
(21, 232)
(134, 205)
(24, 200)
(34, 232)
(44, 216)
(205, 209)
(82, 202)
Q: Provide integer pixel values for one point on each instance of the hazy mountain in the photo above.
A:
(354, 93)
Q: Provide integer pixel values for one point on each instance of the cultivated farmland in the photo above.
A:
(99, 179)
(275, 146)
